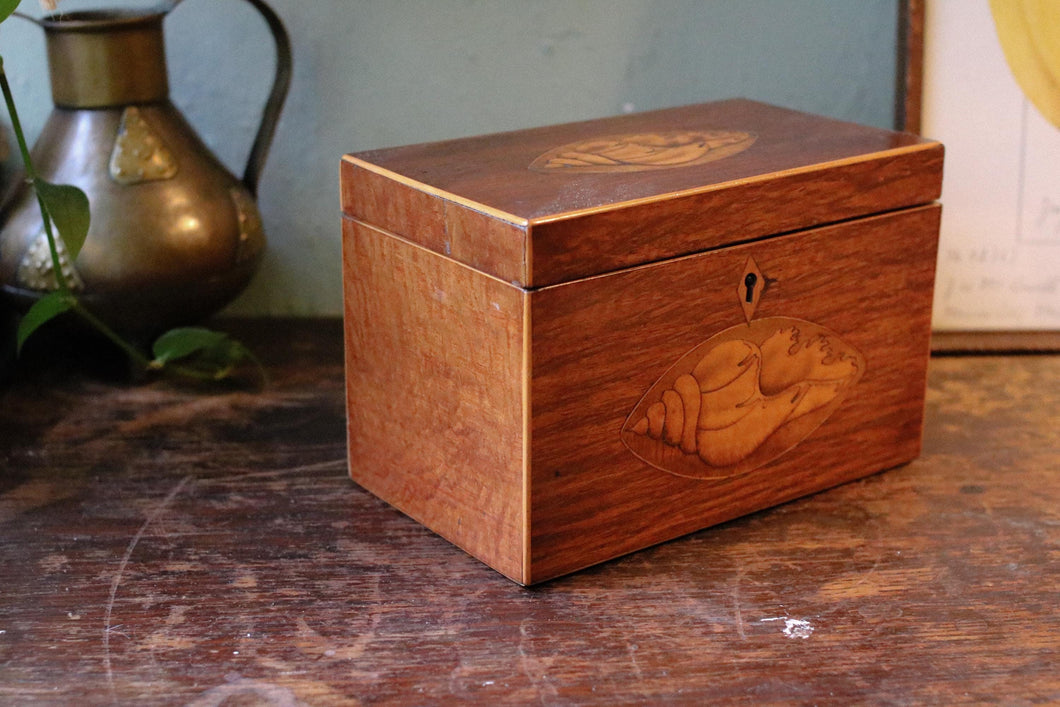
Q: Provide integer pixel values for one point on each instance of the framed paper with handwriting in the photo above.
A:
(991, 94)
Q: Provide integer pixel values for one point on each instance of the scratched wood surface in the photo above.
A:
(167, 546)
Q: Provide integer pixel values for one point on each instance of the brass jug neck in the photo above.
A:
(106, 58)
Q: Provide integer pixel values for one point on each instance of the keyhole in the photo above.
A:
(749, 282)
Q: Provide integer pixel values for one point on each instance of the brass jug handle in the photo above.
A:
(270, 116)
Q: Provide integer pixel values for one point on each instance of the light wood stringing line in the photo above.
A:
(391, 234)
(441, 193)
(527, 430)
(668, 196)
(770, 176)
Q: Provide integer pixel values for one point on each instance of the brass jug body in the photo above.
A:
(174, 236)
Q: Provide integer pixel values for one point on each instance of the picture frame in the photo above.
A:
(985, 274)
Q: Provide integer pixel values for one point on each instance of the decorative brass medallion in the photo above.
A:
(37, 272)
(139, 155)
(638, 152)
(745, 396)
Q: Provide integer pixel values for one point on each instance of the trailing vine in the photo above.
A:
(187, 352)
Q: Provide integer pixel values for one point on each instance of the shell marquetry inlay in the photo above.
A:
(742, 398)
(643, 151)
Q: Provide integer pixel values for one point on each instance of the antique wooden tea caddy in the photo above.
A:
(568, 343)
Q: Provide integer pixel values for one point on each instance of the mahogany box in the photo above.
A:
(568, 343)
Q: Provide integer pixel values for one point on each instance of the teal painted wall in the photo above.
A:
(372, 73)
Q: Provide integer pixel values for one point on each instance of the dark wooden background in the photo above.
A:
(171, 546)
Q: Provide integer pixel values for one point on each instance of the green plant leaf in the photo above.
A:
(68, 208)
(177, 344)
(43, 310)
(202, 352)
(7, 7)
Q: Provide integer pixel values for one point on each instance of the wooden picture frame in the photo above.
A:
(909, 107)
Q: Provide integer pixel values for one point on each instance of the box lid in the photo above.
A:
(547, 205)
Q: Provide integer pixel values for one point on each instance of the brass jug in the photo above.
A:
(174, 236)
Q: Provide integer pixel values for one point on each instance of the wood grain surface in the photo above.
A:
(586, 244)
(798, 170)
(171, 546)
(496, 415)
(435, 373)
(600, 344)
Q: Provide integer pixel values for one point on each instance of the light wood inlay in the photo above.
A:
(641, 152)
(599, 344)
(742, 398)
(553, 368)
(554, 225)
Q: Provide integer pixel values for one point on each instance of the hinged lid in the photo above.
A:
(547, 205)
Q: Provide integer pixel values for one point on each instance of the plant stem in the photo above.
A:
(131, 351)
(60, 279)
(224, 368)
(16, 124)
(31, 175)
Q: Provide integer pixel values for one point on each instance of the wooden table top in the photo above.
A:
(167, 545)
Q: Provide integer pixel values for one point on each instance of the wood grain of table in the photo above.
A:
(165, 545)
